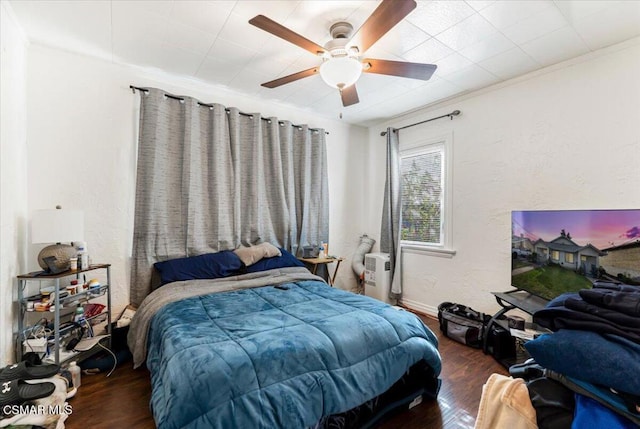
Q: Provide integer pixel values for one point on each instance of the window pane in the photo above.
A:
(422, 197)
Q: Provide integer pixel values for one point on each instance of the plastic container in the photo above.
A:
(85, 260)
(83, 254)
(76, 374)
(79, 314)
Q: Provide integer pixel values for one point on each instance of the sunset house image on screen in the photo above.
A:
(558, 251)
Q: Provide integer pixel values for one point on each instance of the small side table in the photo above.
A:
(314, 262)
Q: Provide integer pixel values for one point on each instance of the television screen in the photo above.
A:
(558, 251)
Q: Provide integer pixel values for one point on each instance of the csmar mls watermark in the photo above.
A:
(37, 409)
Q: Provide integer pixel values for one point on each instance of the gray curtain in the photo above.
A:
(392, 212)
(212, 178)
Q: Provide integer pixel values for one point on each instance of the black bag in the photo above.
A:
(500, 343)
(462, 324)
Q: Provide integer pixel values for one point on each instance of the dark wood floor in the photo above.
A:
(122, 400)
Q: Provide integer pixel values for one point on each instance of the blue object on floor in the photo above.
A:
(104, 360)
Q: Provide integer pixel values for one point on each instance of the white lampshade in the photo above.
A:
(341, 72)
(57, 226)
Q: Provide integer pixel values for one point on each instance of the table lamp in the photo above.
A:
(57, 226)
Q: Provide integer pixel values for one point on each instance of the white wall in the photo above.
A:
(82, 151)
(13, 170)
(567, 137)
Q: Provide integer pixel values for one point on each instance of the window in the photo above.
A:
(555, 255)
(425, 201)
(568, 257)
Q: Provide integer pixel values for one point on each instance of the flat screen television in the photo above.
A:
(558, 251)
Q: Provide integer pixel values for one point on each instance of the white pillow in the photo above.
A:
(251, 255)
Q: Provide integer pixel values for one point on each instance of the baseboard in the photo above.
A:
(420, 307)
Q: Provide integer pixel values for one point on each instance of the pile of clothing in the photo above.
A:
(595, 349)
(586, 374)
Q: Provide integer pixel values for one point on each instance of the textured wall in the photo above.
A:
(13, 170)
(566, 137)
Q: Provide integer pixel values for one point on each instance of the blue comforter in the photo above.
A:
(267, 357)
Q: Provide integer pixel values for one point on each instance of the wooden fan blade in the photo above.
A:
(291, 78)
(349, 95)
(383, 19)
(399, 68)
(270, 26)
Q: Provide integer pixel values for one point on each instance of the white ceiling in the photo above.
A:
(474, 43)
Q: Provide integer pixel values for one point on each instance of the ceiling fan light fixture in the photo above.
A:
(342, 56)
(340, 72)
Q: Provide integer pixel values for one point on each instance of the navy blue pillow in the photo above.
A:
(208, 266)
(264, 264)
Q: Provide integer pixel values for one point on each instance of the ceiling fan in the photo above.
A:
(341, 57)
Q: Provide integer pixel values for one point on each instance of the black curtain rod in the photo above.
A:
(133, 88)
(448, 115)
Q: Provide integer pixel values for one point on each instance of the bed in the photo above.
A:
(278, 348)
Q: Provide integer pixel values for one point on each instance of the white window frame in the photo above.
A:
(443, 144)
